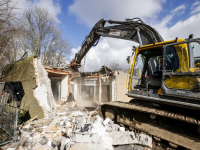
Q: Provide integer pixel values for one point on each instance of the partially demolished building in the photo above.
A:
(105, 85)
(90, 88)
(44, 86)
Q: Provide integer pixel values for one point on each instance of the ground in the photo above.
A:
(75, 127)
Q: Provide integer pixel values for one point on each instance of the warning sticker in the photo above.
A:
(115, 32)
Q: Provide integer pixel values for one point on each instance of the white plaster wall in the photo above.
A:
(75, 89)
(113, 90)
(64, 87)
(43, 92)
(121, 89)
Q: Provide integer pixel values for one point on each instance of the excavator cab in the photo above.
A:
(167, 70)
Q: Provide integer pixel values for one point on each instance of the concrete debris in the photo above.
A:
(124, 147)
(126, 137)
(76, 114)
(121, 129)
(43, 140)
(74, 128)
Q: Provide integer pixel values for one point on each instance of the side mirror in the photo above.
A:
(128, 59)
(160, 67)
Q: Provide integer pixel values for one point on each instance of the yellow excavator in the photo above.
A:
(164, 83)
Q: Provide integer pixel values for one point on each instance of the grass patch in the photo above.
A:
(23, 116)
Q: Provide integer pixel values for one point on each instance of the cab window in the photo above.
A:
(172, 59)
(194, 54)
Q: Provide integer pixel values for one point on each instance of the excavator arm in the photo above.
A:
(130, 29)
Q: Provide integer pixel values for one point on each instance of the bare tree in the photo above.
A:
(114, 65)
(56, 51)
(38, 26)
(42, 37)
(8, 29)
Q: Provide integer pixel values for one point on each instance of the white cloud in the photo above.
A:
(182, 28)
(107, 50)
(90, 11)
(195, 4)
(54, 8)
(195, 7)
(50, 5)
(180, 9)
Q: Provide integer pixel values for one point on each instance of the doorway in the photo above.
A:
(87, 92)
(105, 95)
(56, 88)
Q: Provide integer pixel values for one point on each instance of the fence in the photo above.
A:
(8, 116)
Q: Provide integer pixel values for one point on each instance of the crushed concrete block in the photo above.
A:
(80, 122)
(43, 140)
(41, 147)
(23, 140)
(120, 138)
(53, 128)
(112, 127)
(97, 146)
(67, 124)
(61, 113)
(25, 132)
(138, 147)
(85, 127)
(96, 138)
(74, 121)
(73, 138)
(98, 119)
(86, 138)
(62, 123)
(64, 142)
(105, 122)
(125, 137)
(121, 129)
(78, 138)
(76, 113)
(69, 145)
(144, 140)
(49, 135)
(57, 140)
(124, 147)
(18, 148)
(69, 132)
(50, 144)
(79, 146)
(97, 125)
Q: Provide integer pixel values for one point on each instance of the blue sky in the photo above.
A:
(172, 18)
(76, 31)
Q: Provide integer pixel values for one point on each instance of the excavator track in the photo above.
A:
(180, 130)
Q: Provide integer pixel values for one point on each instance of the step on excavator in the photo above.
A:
(164, 82)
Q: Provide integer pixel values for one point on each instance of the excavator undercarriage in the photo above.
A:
(177, 128)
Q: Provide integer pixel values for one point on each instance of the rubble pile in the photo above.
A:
(74, 128)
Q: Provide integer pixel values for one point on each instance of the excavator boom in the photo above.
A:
(130, 29)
